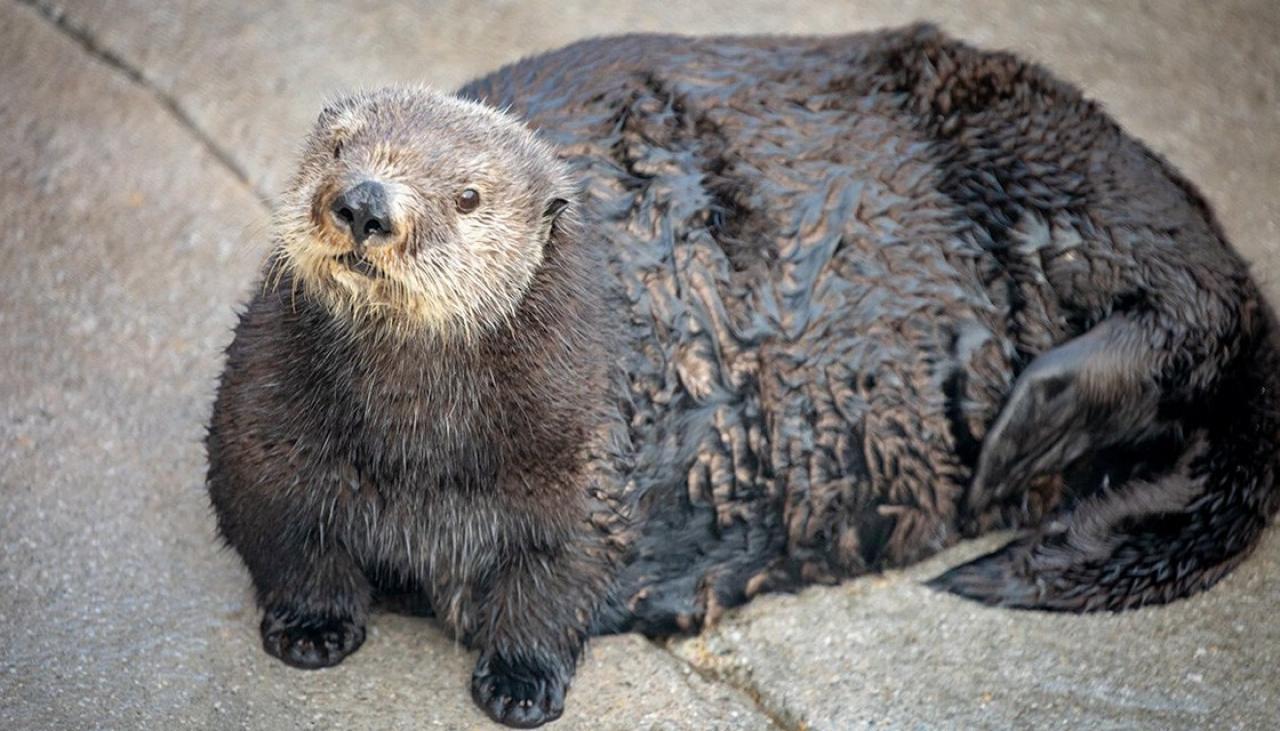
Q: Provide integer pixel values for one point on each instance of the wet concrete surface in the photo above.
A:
(139, 144)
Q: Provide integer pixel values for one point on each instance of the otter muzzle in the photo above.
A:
(363, 212)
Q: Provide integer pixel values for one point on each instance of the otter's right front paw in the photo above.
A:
(309, 642)
(520, 694)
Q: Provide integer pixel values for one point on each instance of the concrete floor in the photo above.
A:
(140, 145)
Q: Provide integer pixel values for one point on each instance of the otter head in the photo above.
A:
(422, 210)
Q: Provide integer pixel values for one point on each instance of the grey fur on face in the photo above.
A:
(454, 271)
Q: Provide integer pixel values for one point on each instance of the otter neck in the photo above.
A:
(478, 405)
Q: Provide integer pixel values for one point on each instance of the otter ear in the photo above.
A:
(554, 209)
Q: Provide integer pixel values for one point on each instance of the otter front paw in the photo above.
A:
(309, 642)
(523, 694)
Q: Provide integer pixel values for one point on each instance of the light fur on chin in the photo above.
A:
(409, 297)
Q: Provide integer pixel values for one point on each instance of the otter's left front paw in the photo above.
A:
(523, 694)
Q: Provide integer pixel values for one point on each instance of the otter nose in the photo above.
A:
(363, 211)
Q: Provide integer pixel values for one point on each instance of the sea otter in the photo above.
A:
(693, 319)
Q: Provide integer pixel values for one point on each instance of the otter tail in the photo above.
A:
(1161, 536)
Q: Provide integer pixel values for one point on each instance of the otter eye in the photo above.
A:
(467, 201)
(337, 151)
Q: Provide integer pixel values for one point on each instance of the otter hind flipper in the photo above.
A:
(1153, 538)
(1146, 543)
(1086, 394)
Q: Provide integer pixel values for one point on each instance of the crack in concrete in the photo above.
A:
(778, 718)
(59, 19)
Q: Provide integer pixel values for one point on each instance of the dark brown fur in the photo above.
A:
(453, 469)
(824, 306)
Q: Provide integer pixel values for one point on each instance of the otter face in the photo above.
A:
(421, 208)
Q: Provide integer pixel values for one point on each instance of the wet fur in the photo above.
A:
(824, 306)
